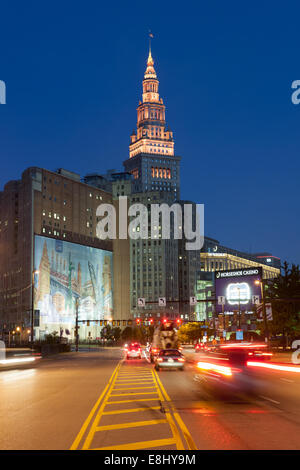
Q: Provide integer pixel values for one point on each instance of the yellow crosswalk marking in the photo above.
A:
(185, 431)
(94, 409)
(130, 382)
(131, 410)
(130, 401)
(134, 388)
(133, 424)
(140, 445)
(130, 393)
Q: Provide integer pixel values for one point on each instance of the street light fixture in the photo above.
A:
(35, 271)
(239, 322)
(261, 283)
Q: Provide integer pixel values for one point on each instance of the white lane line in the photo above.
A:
(270, 399)
(287, 380)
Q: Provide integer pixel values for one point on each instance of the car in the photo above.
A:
(224, 368)
(169, 359)
(134, 350)
(199, 347)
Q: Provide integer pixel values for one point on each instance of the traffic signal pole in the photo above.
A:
(76, 326)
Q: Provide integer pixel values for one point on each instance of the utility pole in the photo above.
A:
(76, 325)
(35, 271)
(262, 285)
(239, 321)
(264, 311)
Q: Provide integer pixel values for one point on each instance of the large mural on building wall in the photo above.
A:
(70, 274)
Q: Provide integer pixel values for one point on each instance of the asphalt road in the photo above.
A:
(96, 400)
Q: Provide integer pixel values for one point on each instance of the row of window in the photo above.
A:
(164, 173)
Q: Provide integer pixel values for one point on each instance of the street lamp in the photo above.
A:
(35, 271)
(261, 283)
(239, 322)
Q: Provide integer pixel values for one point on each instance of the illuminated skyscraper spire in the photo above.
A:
(152, 136)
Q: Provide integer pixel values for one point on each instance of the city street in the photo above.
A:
(97, 400)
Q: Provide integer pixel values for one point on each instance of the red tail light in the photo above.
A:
(181, 359)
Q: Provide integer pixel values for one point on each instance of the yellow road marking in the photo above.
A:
(131, 410)
(130, 401)
(87, 421)
(189, 440)
(97, 418)
(130, 379)
(150, 384)
(140, 445)
(134, 373)
(133, 388)
(130, 393)
(132, 424)
(175, 432)
(135, 378)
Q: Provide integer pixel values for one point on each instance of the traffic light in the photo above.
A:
(151, 321)
(178, 321)
(138, 321)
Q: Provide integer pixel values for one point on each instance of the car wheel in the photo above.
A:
(151, 359)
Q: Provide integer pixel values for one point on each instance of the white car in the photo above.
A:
(134, 350)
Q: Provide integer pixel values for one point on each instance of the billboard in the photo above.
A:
(70, 274)
(238, 287)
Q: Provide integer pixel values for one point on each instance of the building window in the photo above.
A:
(135, 173)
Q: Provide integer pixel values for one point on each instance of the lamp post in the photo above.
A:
(239, 322)
(261, 283)
(76, 324)
(35, 271)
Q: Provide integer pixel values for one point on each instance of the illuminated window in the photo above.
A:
(135, 173)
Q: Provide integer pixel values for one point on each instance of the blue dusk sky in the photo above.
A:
(74, 70)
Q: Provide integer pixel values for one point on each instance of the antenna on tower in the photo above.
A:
(150, 37)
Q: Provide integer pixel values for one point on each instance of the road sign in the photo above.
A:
(141, 302)
(162, 301)
(193, 300)
(269, 312)
(255, 299)
(239, 335)
(221, 299)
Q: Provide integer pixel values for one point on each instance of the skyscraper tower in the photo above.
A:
(156, 179)
(151, 150)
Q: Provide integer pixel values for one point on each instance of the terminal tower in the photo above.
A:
(151, 151)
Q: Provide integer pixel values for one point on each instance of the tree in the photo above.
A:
(116, 333)
(283, 293)
(126, 334)
(189, 332)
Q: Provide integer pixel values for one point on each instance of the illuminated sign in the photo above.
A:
(238, 287)
(238, 293)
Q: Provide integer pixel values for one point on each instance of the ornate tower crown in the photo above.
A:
(152, 136)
